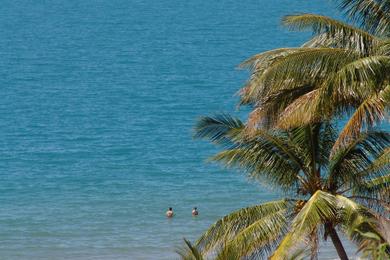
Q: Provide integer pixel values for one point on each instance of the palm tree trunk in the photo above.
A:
(337, 244)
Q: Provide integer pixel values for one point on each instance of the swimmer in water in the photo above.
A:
(195, 211)
(169, 213)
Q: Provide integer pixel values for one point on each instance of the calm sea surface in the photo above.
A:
(98, 101)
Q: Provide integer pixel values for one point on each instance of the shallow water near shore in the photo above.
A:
(98, 103)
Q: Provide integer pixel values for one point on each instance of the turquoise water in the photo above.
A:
(98, 100)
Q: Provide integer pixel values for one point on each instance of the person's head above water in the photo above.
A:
(195, 208)
(169, 213)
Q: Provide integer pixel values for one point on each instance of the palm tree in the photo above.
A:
(343, 69)
(326, 191)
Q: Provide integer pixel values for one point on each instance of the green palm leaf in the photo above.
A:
(361, 78)
(337, 33)
(220, 129)
(361, 225)
(269, 155)
(231, 225)
(321, 207)
(189, 252)
(258, 64)
(260, 238)
(347, 163)
(373, 15)
(370, 112)
(305, 67)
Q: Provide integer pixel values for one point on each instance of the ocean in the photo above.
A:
(98, 102)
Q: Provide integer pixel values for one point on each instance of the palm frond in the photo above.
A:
(228, 227)
(350, 160)
(259, 239)
(380, 166)
(350, 212)
(257, 119)
(371, 186)
(299, 254)
(303, 111)
(374, 191)
(262, 60)
(361, 78)
(321, 40)
(327, 138)
(369, 113)
(258, 64)
(304, 67)
(383, 47)
(339, 34)
(268, 155)
(373, 15)
(380, 183)
(276, 103)
(374, 194)
(320, 208)
(360, 224)
(189, 252)
(355, 83)
(220, 129)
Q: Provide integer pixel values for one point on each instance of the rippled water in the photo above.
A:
(98, 99)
